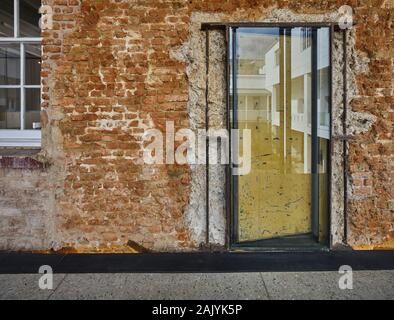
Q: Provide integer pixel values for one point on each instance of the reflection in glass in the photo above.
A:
(33, 107)
(33, 64)
(29, 18)
(274, 100)
(9, 64)
(10, 109)
(7, 18)
(323, 107)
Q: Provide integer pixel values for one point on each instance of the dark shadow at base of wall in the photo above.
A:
(18, 263)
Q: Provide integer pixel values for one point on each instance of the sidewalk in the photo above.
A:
(268, 285)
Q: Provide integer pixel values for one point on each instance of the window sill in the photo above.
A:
(20, 138)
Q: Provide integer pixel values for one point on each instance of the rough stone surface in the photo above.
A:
(112, 69)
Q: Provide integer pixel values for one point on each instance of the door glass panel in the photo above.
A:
(323, 107)
(273, 74)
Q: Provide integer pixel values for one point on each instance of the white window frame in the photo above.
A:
(21, 137)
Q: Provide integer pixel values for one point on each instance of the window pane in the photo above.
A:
(9, 64)
(33, 64)
(10, 109)
(29, 18)
(33, 108)
(7, 18)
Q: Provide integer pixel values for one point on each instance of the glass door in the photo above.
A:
(280, 90)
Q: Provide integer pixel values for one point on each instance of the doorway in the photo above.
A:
(280, 95)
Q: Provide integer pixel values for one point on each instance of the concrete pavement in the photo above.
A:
(269, 285)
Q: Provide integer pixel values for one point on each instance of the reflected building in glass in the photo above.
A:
(273, 83)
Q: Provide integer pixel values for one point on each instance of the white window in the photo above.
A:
(20, 73)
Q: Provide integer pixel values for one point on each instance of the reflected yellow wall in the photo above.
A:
(274, 199)
(274, 102)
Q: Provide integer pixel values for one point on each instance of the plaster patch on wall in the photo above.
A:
(193, 52)
(337, 175)
(357, 122)
(217, 120)
(360, 122)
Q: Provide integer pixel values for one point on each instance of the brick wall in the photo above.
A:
(108, 75)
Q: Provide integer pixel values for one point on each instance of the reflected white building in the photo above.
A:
(259, 85)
